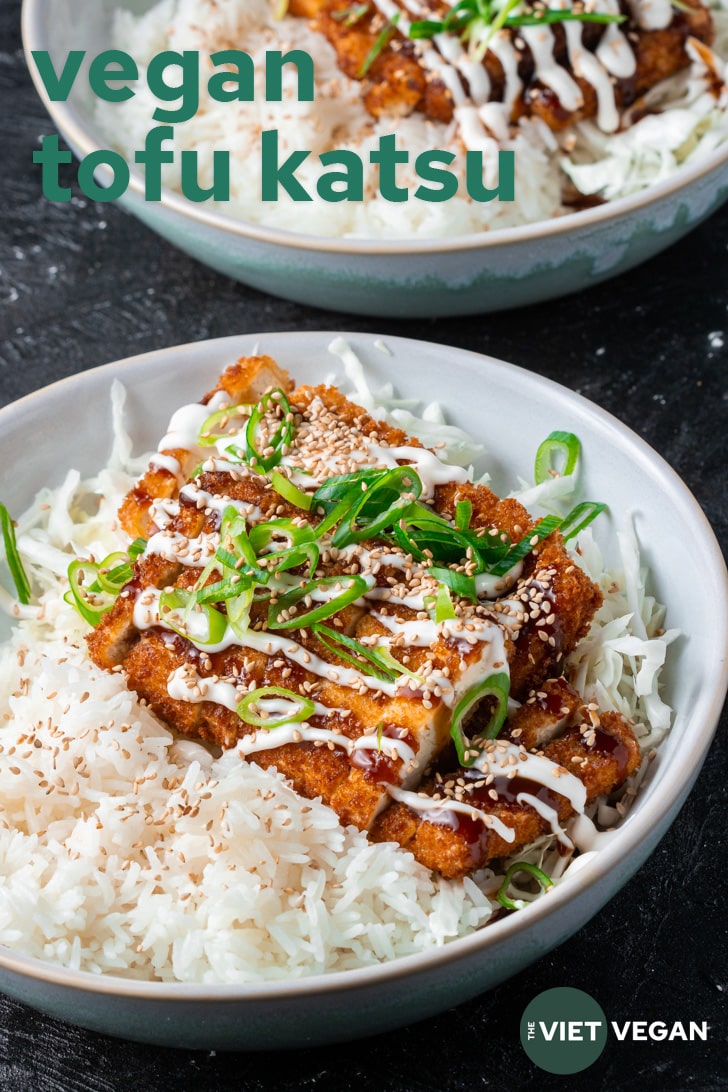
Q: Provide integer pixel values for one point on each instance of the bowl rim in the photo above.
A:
(68, 121)
(676, 781)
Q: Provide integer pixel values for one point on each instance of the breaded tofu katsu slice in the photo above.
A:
(517, 789)
(324, 593)
(561, 72)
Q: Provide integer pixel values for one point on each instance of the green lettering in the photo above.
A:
(103, 158)
(152, 159)
(220, 188)
(504, 191)
(232, 86)
(352, 177)
(445, 180)
(275, 174)
(188, 91)
(58, 87)
(50, 157)
(303, 62)
(388, 157)
(100, 75)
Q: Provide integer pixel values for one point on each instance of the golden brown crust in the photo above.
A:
(602, 757)
(245, 381)
(561, 601)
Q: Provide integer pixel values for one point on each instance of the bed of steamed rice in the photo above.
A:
(125, 851)
(689, 124)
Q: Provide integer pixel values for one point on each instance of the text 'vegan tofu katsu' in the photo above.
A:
(559, 71)
(321, 591)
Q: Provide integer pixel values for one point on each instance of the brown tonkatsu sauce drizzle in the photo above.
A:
(376, 765)
(475, 831)
(606, 744)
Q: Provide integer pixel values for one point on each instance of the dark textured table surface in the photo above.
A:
(82, 284)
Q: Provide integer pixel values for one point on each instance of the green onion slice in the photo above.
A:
(200, 623)
(579, 518)
(479, 21)
(463, 514)
(17, 571)
(352, 15)
(280, 439)
(521, 866)
(440, 606)
(459, 583)
(366, 660)
(290, 492)
(114, 572)
(389, 660)
(563, 445)
(377, 505)
(496, 686)
(522, 549)
(305, 707)
(302, 546)
(567, 15)
(85, 593)
(137, 548)
(378, 662)
(236, 550)
(381, 43)
(208, 434)
(357, 586)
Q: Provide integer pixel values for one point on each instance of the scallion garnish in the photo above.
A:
(236, 548)
(377, 505)
(463, 514)
(522, 549)
(459, 583)
(563, 445)
(85, 593)
(350, 16)
(94, 588)
(305, 709)
(440, 606)
(137, 548)
(496, 686)
(208, 434)
(348, 589)
(114, 572)
(275, 446)
(303, 546)
(286, 489)
(521, 866)
(17, 572)
(366, 660)
(180, 609)
(580, 517)
(380, 44)
(478, 21)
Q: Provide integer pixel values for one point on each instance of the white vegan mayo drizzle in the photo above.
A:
(502, 758)
(445, 58)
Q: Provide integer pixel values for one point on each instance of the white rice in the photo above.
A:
(692, 122)
(123, 851)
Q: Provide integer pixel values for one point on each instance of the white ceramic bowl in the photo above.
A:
(510, 410)
(488, 271)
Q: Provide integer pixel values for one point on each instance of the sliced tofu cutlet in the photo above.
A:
(461, 820)
(400, 75)
(365, 734)
(243, 382)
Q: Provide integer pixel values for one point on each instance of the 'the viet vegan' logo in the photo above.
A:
(564, 1030)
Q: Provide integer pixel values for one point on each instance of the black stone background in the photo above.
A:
(82, 284)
